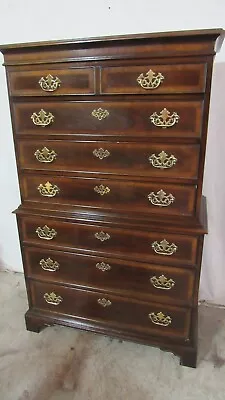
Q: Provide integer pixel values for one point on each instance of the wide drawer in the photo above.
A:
(153, 79)
(52, 82)
(158, 283)
(137, 118)
(159, 247)
(139, 159)
(110, 194)
(154, 318)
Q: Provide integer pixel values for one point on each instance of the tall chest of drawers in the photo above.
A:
(110, 136)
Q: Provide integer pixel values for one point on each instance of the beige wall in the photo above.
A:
(27, 20)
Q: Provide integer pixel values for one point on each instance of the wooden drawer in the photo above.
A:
(154, 318)
(158, 283)
(139, 159)
(52, 82)
(136, 118)
(153, 79)
(159, 247)
(111, 194)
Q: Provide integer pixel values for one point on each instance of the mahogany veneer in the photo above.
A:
(110, 137)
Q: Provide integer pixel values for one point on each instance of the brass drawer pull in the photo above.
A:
(101, 153)
(49, 83)
(162, 282)
(100, 114)
(104, 303)
(46, 233)
(52, 298)
(48, 190)
(103, 267)
(49, 265)
(160, 319)
(164, 119)
(164, 248)
(45, 155)
(101, 189)
(162, 161)
(42, 118)
(150, 80)
(161, 199)
(102, 236)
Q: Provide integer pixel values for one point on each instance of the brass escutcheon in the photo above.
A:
(49, 83)
(48, 190)
(52, 298)
(49, 264)
(164, 119)
(150, 80)
(42, 118)
(162, 161)
(162, 282)
(45, 155)
(160, 319)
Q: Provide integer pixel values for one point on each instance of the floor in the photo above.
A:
(65, 364)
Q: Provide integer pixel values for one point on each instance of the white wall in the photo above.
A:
(27, 20)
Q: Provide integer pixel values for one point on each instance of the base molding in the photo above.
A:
(36, 321)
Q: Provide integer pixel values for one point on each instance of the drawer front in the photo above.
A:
(105, 194)
(139, 159)
(153, 318)
(157, 283)
(154, 79)
(159, 247)
(52, 82)
(159, 118)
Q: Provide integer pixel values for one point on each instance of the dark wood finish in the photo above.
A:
(123, 195)
(129, 159)
(124, 119)
(178, 78)
(102, 73)
(111, 275)
(123, 243)
(74, 81)
(121, 312)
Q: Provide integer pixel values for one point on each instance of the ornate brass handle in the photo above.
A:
(45, 155)
(164, 119)
(161, 199)
(104, 303)
(150, 80)
(46, 233)
(48, 190)
(52, 298)
(103, 267)
(102, 236)
(160, 319)
(162, 282)
(101, 189)
(49, 265)
(101, 153)
(100, 114)
(49, 83)
(42, 118)
(164, 248)
(162, 161)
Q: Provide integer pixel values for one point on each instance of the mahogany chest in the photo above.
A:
(110, 137)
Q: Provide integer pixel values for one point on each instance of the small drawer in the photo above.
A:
(103, 194)
(52, 82)
(159, 247)
(129, 159)
(160, 118)
(115, 311)
(153, 79)
(158, 283)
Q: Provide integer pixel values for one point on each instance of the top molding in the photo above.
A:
(161, 44)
